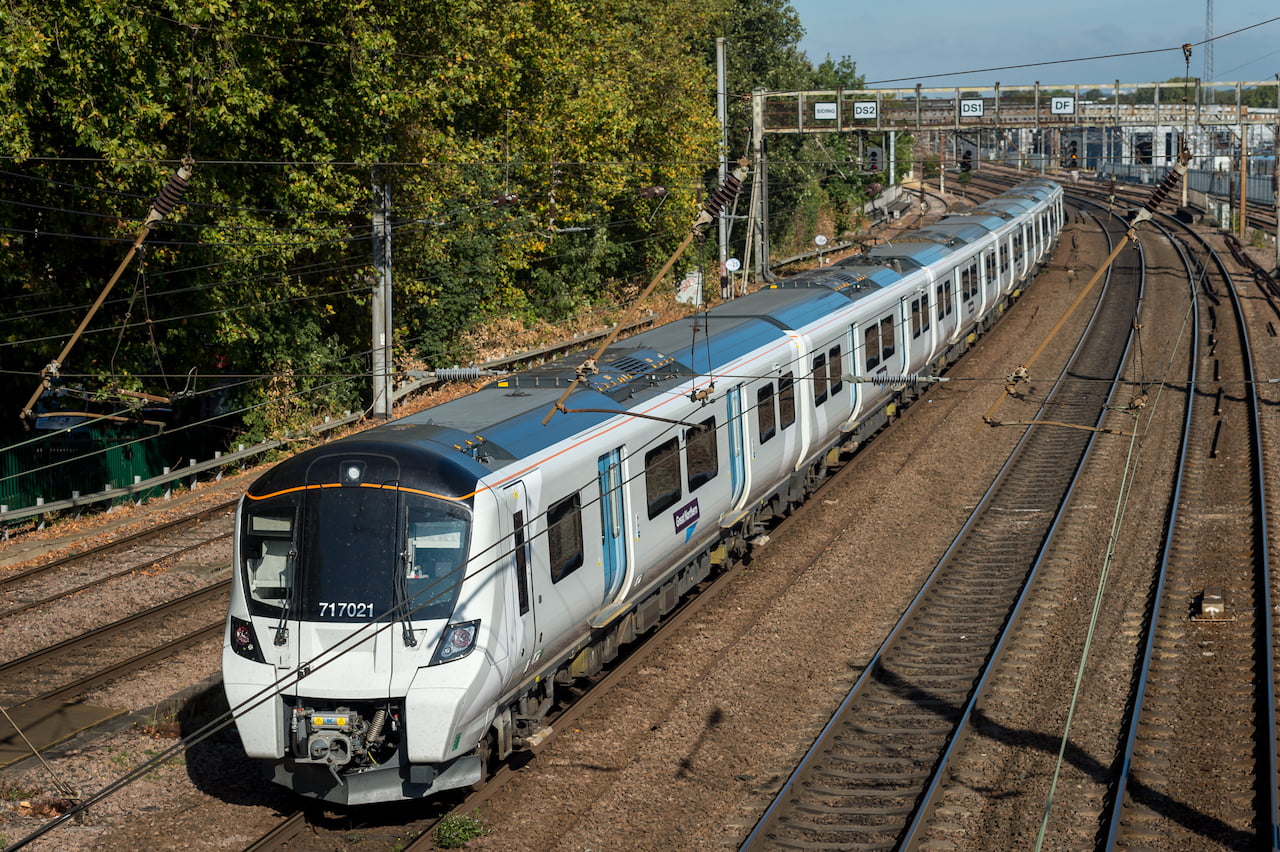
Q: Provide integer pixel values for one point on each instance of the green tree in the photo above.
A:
(514, 137)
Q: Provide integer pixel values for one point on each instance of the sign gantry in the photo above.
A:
(996, 106)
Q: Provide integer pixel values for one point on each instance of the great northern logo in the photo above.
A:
(686, 516)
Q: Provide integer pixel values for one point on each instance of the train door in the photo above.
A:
(991, 289)
(918, 335)
(880, 348)
(524, 643)
(855, 387)
(613, 529)
(737, 428)
(944, 304)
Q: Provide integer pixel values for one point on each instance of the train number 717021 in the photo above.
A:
(344, 609)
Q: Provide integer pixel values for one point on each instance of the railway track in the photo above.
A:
(464, 810)
(1040, 769)
(82, 571)
(576, 701)
(1208, 662)
(1195, 763)
(75, 666)
(859, 785)
(73, 626)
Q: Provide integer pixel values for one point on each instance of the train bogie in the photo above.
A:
(407, 601)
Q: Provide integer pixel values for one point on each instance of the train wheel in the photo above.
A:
(486, 751)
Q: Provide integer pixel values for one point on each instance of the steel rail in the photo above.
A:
(913, 837)
(765, 828)
(1267, 777)
(75, 643)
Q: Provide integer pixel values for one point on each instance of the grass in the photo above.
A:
(13, 793)
(457, 830)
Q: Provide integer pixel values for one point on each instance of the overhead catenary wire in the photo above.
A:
(1121, 507)
(349, 264)
(268, 692)
(358, 237)
(488, 560)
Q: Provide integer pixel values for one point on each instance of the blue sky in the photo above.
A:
(912, 38)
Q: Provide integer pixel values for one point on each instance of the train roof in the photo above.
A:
(913, 251)
(954, 233)
(1042, 188)
(1009, 205)
(992, 220)
(792, 303)
(868, 270)
(845, 277)
(502, 421)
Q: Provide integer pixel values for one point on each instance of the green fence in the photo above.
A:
(86, 459)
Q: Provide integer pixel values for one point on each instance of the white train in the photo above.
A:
(407, 600)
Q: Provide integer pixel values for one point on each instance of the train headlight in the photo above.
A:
(458, 641)
(244, 641)
(351, 472)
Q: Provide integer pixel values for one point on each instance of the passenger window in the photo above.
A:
(787, 399)
(887, 345)
(564, 537)
(835, 370)
(819, 380)
(871, 343)
(969, 282)
(662, 476)
(700, 448)
(919, 315)
(944, 299)
(765, 420)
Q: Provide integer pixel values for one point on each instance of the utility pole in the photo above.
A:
(891, 156)
(942, 162)
(760, 186)
(381, 366)
(722, 114)
(1244, 167)
(1208, 41)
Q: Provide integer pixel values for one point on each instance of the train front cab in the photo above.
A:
(351, 649)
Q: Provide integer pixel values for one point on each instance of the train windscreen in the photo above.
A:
(362, 554)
